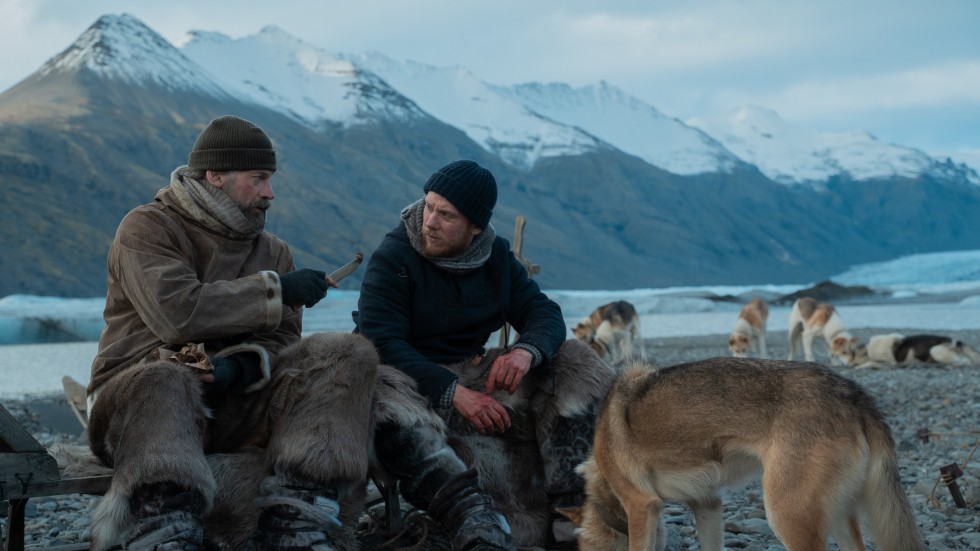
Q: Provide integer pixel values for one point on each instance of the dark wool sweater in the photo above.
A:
(420, 316)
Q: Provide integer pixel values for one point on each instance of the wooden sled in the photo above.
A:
(27, 470)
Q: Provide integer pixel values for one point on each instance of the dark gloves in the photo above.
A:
(303, 287)
(234, 373)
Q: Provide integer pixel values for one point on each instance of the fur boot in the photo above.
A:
(166, 517)
(295, 518)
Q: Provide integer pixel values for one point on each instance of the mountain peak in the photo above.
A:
(122, 47)
(275, 32)
(793, 154)
(627, 123)
(275, 69)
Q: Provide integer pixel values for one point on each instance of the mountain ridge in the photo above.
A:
(80, 146)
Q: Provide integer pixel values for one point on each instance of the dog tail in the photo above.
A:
(887, 509)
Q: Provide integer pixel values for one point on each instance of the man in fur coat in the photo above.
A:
(216, 417)
(434, 290)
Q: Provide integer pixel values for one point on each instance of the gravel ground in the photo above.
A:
(943, 400)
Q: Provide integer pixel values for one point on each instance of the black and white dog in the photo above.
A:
(895, 349)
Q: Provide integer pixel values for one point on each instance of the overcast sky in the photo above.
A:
(908, 71)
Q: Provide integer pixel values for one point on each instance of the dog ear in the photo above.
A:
(582, 332)
(573, 514)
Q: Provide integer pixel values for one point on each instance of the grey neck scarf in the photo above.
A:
(210, 206)
(473, 257)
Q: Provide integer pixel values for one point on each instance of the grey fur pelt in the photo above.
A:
(510, 465)
(576, 379)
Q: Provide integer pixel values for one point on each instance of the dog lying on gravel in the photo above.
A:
(900, 350)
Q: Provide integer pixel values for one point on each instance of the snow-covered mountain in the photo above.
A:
(792, 154)
(279, 71)
(122, 47)
(628, 124)
(519, 124)
(607, 180)
(499, 123)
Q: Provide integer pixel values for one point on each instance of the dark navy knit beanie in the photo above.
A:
(230, 143)
(469, 187)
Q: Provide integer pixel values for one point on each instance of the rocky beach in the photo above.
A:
(942, 402)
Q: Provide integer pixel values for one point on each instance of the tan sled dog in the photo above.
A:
(750, 330)
(808, 320)
(613, 331)
(825, 455)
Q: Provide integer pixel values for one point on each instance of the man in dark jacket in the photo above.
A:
(436, 288)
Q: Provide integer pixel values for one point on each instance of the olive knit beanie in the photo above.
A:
(230, 143)
(469, 187)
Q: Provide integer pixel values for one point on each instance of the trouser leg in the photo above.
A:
(410, 443)
(318, 449)
(148, 423)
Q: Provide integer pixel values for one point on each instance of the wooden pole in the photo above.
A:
(532, 269)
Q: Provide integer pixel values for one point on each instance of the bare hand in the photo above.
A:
(482, 411)
(508, 370)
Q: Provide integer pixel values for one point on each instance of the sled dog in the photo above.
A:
(613, 331)
(825, 455)
(808, 320)
(750, 330)
(895, 349)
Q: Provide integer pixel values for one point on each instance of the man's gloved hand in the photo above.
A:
(303, 287)
(233, 374)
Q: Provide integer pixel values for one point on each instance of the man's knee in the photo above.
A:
(157, 398)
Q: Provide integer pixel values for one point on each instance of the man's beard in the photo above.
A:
(456, 250)
(255, 213)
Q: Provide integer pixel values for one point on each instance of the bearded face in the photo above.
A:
(446, 232)
(251, 190)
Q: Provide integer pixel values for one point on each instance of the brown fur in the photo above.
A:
(308, 421)
(750, 330)
(808, 320)
(822, 448)
(613, 332)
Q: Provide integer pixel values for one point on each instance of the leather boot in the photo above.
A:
(295, 518)
(168, 518)
(469, 515)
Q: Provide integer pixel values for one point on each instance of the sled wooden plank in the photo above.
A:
(25, 474)
(77, 396)
(27, 470)
(14, 437)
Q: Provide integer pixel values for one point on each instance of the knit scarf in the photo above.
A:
(209, 206)
(473, 257)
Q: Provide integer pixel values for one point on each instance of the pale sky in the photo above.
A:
(908, 71)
